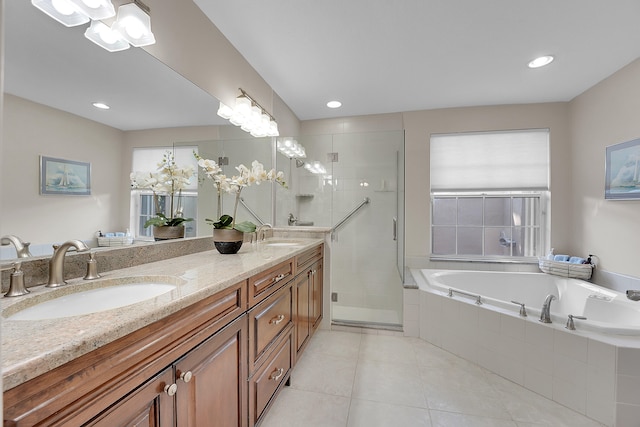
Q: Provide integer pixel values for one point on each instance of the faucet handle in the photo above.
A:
(570, 325)
(523, 310)
(16, 283)
(92, 267)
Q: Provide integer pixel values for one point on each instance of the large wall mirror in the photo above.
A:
(53, 74)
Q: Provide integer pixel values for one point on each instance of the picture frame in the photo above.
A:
(64, 177)
(622, 171)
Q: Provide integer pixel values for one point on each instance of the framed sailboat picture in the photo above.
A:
(622, 171)
(60, 176)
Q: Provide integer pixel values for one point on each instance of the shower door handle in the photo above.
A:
(395, 228)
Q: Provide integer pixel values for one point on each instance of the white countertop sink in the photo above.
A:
(92, 301)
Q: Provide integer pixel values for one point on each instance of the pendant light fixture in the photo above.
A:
(250, 116)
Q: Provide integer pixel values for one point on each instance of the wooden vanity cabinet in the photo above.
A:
(308, 295)
(125, 379)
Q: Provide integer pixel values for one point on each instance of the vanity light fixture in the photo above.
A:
(334, 104)
(62, 11)
(541, 61)
(291, 148)
(95, 9)
(105, 37)
(134, 24)
(250, 116)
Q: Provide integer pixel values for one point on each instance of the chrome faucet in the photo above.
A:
(292, 219)
(22, 248)
(633, 295)
(262, 230)
(545, 314)
(56, 263)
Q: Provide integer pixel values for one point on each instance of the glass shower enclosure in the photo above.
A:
(353, 183)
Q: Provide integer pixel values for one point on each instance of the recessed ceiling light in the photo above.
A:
(334, 104)
(101, 105)
(541, 61)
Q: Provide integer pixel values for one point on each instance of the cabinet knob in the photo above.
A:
(275, 375)
(171, 389)
(278, 278)
(279, 318)
(186, 376)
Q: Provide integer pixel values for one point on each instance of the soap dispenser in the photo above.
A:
(550, 255)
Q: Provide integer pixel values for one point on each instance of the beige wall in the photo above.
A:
(31, 130)
(604, 115)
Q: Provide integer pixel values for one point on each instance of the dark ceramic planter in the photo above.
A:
(227, 241)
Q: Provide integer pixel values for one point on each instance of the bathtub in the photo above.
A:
(592, 369)
(607, 311)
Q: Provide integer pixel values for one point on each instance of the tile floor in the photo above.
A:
(351, 379)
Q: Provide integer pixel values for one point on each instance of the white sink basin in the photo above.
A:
(93, 300)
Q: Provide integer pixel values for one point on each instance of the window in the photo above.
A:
(142, 204)
(489, 195)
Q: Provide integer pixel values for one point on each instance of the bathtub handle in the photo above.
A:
(523, 310)
(570, 326)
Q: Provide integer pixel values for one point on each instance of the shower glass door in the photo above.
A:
(366, 250)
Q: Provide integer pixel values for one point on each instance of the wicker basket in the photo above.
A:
(115, 241)
(565, 269)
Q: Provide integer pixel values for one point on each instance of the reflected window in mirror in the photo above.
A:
(143, 206)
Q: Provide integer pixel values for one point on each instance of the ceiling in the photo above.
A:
(376, 56)
(380, 56)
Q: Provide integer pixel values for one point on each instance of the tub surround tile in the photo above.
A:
(628, 389)
(570, 370)
(512, 327)
(538, 381)
(570, 395)
(601, 407)
(628, 359)
(570, 345)
(627, 415)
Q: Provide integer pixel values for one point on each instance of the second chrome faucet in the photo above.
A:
(545, 314)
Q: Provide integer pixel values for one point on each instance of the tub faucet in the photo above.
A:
(56, 263)
(633, 295)
(292, 219)
(545, 314)
(22, 248)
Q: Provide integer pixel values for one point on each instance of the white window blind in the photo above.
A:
(490, 161)
(147, 159)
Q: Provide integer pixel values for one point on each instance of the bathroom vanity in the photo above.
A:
(215, 350)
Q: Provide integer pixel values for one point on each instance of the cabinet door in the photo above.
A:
(302, 310)
(212, 380)
(149, 405)
(316, 294)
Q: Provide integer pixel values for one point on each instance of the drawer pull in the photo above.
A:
(171, 389)
(279, 318)
(275, 375)
(273, 279)
(186, 376)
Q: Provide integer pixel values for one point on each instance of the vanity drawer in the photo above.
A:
(308, 257)
(262, 284)
(266, 382)
(267, 320)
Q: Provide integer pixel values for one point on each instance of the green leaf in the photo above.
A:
(245, 227)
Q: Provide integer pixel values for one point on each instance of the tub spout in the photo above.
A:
(633, 295)
(545, 314)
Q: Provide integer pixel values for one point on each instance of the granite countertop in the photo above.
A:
(33, 347)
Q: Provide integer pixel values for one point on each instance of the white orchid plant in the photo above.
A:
(234, 185)
(168, 179)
